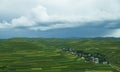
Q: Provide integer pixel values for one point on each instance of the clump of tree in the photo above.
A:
(89, 57)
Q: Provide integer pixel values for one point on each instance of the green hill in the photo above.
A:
(46, 55)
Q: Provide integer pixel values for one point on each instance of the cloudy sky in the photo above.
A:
(59, 18)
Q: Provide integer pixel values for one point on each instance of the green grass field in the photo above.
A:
(45, 55)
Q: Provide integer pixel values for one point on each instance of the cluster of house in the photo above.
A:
(89, 57)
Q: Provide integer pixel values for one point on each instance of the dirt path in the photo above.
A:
(115, 67)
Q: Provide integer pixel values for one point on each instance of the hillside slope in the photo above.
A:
(45, 55)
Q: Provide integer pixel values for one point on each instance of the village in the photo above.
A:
(96, 58)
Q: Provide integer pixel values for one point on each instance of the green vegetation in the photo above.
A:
(46, 55)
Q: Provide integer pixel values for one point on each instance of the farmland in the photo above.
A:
(45, 55)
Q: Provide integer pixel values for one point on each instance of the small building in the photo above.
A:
(105, 62)
(96, 60)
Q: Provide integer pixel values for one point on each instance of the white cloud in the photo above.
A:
(55, 26)
(22, 21)
(4, 25)
(113, 33)
(39, 14)
(31, 13)
(84, 9)
(17, 7)
(36, 15)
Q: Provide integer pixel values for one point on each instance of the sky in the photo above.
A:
(59, 18)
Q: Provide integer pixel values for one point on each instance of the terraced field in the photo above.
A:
(22, 55)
